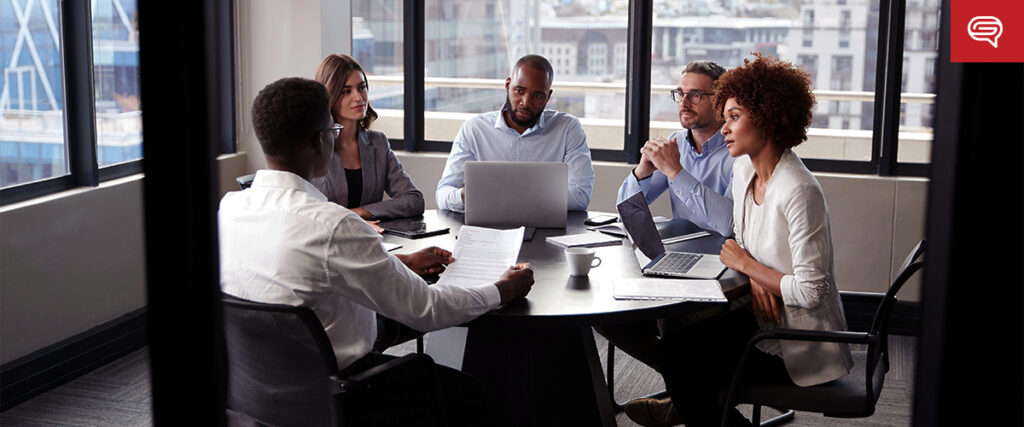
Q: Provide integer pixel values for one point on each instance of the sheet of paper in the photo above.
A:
(678, 289)
(677, 239)
(589, 240)
(482, 255)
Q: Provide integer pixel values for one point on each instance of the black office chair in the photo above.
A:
(282, 371)
(245, 181)
(852, 396)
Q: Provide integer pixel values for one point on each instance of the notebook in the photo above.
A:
(650, 251)
(503, 194)
(669, 289)
(584, 240)
(410, 228)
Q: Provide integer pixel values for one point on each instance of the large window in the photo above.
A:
(31, 93)
(377, 45)
(598, 49)
(70, 107)
(920, 47)
(469, 49)
(115, 44)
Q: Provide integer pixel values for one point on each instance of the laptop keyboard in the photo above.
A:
(676, 262)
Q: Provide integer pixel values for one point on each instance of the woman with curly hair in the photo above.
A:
(783, 243)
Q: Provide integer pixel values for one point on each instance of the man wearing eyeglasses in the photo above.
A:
(694, 165)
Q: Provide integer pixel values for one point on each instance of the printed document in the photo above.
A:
(674, 289)
(482, 255)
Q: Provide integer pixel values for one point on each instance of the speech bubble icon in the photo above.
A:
(985, 28)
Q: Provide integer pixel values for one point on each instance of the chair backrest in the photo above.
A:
(279, 363)
(245, 181)
(878, 352)
(880, 324)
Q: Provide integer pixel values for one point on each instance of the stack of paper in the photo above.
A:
(674, 289)
(617, 230)
(584, 240)
(482, 255)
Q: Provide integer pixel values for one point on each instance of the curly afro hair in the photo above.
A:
(288, 113)
(776, 93)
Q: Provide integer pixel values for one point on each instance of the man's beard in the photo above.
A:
(697, 123)
(528, 123)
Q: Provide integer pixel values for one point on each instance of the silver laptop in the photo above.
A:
(531, 194)
(650, 252)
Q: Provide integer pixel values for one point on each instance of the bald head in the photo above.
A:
(538, 63)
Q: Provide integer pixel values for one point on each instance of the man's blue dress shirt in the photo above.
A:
(556, 137)
(701, 191)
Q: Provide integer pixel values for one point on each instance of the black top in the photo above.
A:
(354, 178)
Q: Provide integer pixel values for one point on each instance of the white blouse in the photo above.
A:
(789, 232)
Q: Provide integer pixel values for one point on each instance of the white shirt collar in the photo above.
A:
(271, 178)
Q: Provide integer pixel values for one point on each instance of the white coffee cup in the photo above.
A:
(581, 260)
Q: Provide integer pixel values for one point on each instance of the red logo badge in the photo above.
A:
(987, 31)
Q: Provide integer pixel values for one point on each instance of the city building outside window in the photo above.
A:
(32, 145)
(469, 48)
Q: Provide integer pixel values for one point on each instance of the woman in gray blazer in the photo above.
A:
(364, 167)
(783, 244)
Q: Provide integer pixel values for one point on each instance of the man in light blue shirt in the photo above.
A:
(693, 163)
(521, 131)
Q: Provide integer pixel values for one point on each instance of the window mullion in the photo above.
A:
(415, 66)
(885, 139)
(638, 78)
(79, 105)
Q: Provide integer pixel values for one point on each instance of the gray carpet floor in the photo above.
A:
(118, 394)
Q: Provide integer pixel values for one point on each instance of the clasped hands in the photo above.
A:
(659, 154)
(766, 305)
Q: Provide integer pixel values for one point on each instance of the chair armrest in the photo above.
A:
(792, 335)
(401, 366)
(371, 396)
(811, 335)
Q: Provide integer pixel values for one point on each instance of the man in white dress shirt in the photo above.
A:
(522, 131)
(282, 242)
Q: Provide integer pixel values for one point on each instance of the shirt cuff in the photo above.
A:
(787, 287)
(491, 295)
(685, 180)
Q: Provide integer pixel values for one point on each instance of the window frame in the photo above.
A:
(885, 135)
(80, 136)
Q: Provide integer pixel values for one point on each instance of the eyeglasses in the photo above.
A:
(695, 96)
(334, 130)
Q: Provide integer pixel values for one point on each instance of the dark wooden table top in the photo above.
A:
(560, 299)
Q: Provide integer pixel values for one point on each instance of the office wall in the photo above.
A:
(75, 260)
(69, 262)
(276, 39)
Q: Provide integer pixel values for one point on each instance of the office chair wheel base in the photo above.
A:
(619, 407)
(782, 418)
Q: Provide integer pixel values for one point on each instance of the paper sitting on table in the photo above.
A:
(617, 230)
(482, 255)
(674, 289)
(584, 240)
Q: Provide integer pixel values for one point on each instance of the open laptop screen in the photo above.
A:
(637, 220)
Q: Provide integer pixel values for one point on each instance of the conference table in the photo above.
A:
(537, 357)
